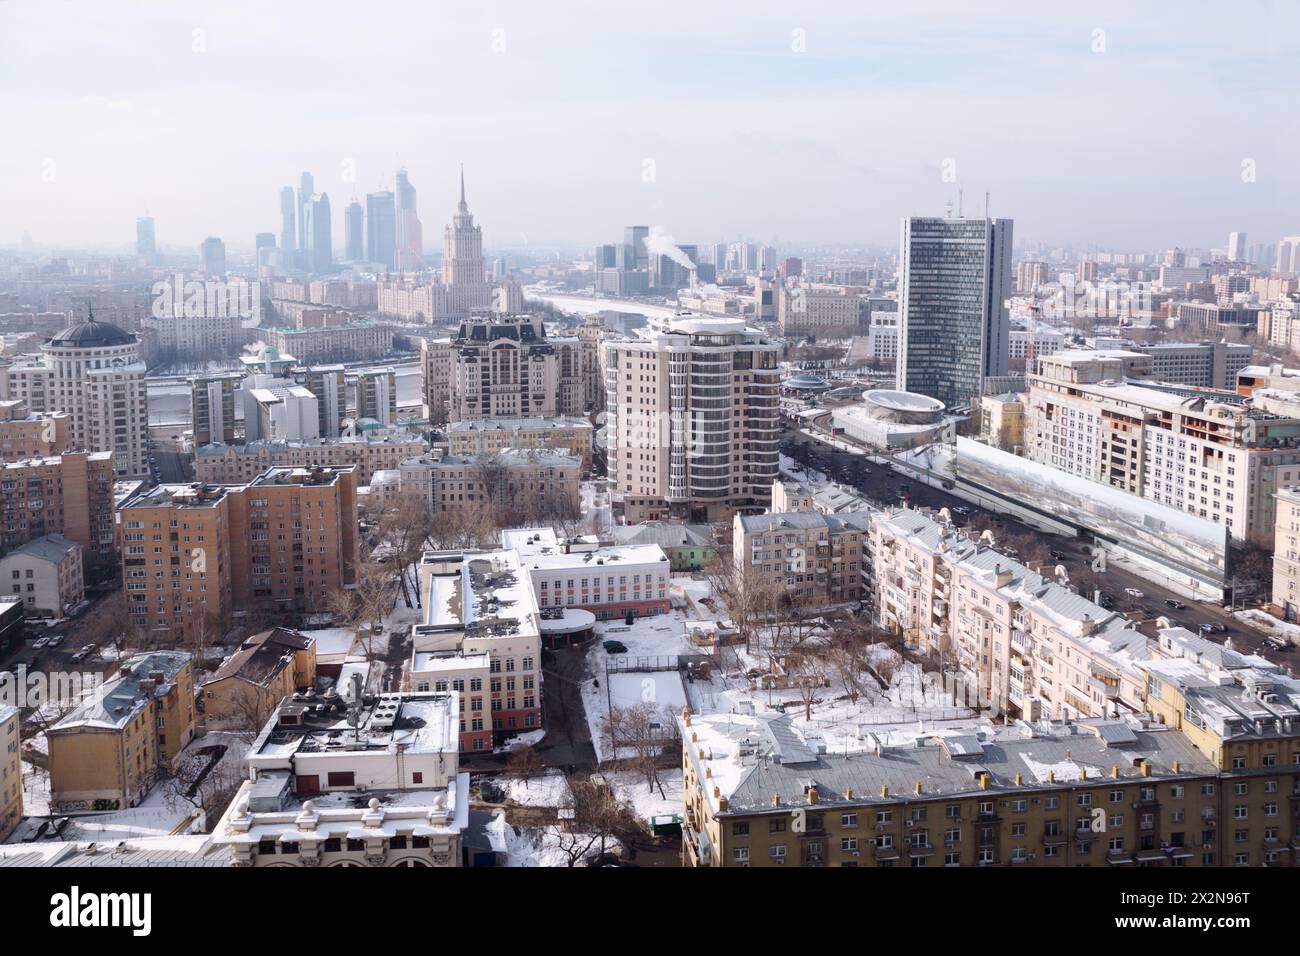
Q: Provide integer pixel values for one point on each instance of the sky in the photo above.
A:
(1091, 124)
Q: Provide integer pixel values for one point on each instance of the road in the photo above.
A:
(882, 485)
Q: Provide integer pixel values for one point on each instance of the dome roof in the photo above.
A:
(92, 335)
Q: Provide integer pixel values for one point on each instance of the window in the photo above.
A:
(740, 829)
(341, 778)
(777, 852)
(740, 854)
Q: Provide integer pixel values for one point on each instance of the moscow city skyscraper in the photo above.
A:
(319, 253)
(288, 218)
(954, 322)
(354, 232)
(410, 236)
(381, 229)
(145, 246)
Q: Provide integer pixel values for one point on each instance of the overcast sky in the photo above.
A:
(793, 122)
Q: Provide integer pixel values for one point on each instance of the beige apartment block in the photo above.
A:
(473, 437)
(814, 557)
(1104, 793)
(1209, 455)
(693, 419)
(435, 369)
(69, 494)
(107, 752)
(370, 451)
(196, 557)
(507, 367)
(526, 482)
(249, 685)
(1286, 553)
(24, 434)
(11, 771)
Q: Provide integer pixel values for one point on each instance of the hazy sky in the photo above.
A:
(1134, 137)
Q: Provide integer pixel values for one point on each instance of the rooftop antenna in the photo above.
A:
(986, 205)
(959, 192)
(947, 208)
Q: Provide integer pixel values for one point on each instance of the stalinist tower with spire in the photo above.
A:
(462, 260)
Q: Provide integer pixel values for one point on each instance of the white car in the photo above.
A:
(1134, 593)
(40, 642)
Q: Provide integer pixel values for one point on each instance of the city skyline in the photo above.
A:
(1070, 123)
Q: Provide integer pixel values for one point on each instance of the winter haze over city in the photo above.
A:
(711, 435)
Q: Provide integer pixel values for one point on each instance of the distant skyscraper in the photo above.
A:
(1237, 247)
(955, 328)
(462, 244)
(381, 229)
(288, 216)
(213, 251)
(264, 244)
(354, 232)
(410, 236)
(306, 190)
(634, 252)
(606, 257)
(144, 238)
(319, 253)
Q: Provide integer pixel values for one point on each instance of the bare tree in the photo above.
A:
(524, 763)
(404, 526)
(592, 817)
(646, 730)
(809, 676)
(365, 605)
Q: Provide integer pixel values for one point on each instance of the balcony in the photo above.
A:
(884, 853)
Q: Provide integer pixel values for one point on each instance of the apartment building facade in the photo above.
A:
(69, 494)
(1211, 455)
(11, 771)
(198, 556)
(471, 438)
(46, 574)
(514, 481)
(1286, 553)
(812, 556)
(25, 434)
(106, 753)
(693, 419)
(368, 452)
(507, 367)
(1098, 792)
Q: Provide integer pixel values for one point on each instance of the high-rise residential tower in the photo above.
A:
(954, 324)
(693, 418)
(1237, 246)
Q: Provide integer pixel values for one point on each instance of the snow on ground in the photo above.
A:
(646, 800)
(533, 848)
(662, 688)
(333, 640)
(1263, 621)
(544, 790)
(530, 738)
(36, 791)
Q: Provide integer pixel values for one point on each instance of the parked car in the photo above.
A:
(1210, 627)
(1176, 605)
(56, 640)
(1134, 593)
(82, 654)
(1277, 643)
(1058, 555)
(615, 647)
(40, 642)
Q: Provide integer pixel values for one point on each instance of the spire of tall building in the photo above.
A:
(462, 207)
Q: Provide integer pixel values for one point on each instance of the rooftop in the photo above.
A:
(116, 703)
(52, 548)
(263, 656)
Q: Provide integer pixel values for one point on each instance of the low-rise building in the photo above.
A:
(11, 771)
(341, 781)
(248, 686)
(368, 451)
(609, 582)
(471, 438)
(1286, 553)
(814, 556)
(519, 483)
(46, 574)
(107, 752)
(690, 547)
(1086, 793)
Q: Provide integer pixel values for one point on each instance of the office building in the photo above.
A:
(354, 232)
(145, 246)
(956, 278)
(409, 234)
(213, 253)
(381, 229)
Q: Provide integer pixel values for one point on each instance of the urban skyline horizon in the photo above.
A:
(821, 126)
